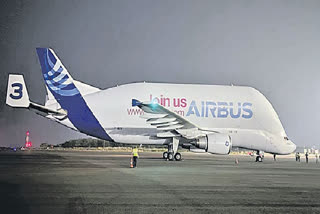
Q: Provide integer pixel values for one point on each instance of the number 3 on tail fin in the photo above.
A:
(17, 95)
(17, 91)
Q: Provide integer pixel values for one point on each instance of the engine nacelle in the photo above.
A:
(198, 150)
(215, 143)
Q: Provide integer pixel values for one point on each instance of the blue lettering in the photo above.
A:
(247, 110)
(193, 106)
(222, 110)
(202, 108)
(212, 110)
(232, 109)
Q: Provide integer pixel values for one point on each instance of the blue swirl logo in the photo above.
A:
(57, 78)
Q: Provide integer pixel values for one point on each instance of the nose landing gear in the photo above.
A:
(258, 159)
(259, 156)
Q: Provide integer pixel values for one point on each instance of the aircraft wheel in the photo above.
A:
(258, 159)
(177, 156)
(165, 155)
(170, 156)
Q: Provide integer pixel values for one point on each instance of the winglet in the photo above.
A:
(17, 94)
(135, 102)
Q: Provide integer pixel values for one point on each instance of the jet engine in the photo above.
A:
(215, 143)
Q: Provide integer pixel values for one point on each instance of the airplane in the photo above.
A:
(209, 118)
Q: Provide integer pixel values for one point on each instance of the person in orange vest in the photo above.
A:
(135, 156)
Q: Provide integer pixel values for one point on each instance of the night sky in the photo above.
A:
(273, 46)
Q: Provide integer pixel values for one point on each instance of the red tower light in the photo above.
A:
(28, 143)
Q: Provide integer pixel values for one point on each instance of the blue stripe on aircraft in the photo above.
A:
(71, 100)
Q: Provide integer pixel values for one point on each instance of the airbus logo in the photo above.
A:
(220, 109)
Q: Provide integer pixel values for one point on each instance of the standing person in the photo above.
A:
(274, 157)
(135, 156)
(317, 158)
(297, 156)
(307, 158)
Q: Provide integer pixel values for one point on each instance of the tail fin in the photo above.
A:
(58, 81)
(67, 93)
(17, 95)
(56, 76)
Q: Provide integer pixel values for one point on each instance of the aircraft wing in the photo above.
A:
(167, 122)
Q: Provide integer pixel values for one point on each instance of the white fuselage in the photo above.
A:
(241, 112)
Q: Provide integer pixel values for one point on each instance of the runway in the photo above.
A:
(102, 182)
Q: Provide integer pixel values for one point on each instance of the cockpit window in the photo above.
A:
(286, 138)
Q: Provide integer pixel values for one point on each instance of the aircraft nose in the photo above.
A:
(292, 147)
(287, 148)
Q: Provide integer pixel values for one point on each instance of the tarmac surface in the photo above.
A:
(102, 182)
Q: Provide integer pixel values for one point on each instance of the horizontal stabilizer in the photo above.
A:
(17, 96)
(60, 113)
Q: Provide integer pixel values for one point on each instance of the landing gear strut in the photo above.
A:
(172, 153)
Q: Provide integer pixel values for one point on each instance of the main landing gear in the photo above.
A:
(171, 156)
(172, 153)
